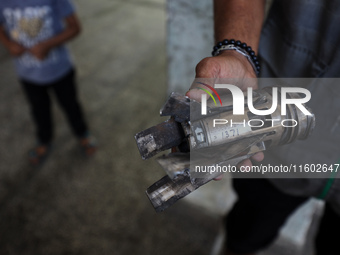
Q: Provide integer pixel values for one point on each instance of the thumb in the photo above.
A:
(208, 68)
(195, 94)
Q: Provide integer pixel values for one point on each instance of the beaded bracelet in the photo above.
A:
(241, 48)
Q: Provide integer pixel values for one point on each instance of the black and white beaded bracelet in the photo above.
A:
(241, 48)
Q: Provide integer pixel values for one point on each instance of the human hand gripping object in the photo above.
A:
(219, 136)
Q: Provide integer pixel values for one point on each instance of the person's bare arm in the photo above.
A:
(234, 19)
(239, 19)
(72, 29)
(14, 48)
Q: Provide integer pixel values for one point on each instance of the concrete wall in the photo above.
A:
(189, 39)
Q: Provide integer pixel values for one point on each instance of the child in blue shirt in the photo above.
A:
(34, 32)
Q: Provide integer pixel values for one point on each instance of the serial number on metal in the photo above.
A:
(219, 134)
(227, 134)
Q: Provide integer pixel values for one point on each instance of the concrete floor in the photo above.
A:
(73, 205)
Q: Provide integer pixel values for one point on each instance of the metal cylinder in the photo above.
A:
(222, 127)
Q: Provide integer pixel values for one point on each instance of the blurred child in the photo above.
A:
(34, 32)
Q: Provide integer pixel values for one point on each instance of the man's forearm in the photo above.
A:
(239, 19)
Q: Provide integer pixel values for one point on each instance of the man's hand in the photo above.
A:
(15, 49)
(226, 65)
(241, 20)
(229, 64)
(40, 50)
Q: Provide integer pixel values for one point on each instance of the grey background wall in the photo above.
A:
(190, 38)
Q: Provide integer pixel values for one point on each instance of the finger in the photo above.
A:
(218, 178)
(258, 156)
(174, 149)
(247, 82)
(245, 163)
